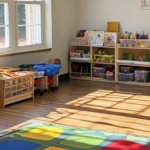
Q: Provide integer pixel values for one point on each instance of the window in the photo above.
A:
(29, 24)
(21, 25)
(4, 25)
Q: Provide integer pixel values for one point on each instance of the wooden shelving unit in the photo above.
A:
(16, 89)
(119, 52)
(93, 50)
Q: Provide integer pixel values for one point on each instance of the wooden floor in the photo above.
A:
(86, 104)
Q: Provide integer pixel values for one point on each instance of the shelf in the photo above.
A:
(92, 79)
(135, 83)
(92, 46)
(80, 60)
(91, 62)
(134, 48)
(103, 63)
(140, 65)
(102, 46)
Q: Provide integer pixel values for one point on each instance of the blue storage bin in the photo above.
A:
(126, 76)
(49, 69)
(48, 65)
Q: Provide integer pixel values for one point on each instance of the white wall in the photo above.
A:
(94, 14)
(64, 23)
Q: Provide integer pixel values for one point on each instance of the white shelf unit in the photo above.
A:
(93, 50)
(120, 53)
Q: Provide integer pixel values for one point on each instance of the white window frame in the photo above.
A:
(13, 28)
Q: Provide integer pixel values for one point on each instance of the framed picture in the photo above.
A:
(145, 4)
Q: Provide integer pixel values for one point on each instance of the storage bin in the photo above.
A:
(127, 69)
(80, 74)
(49, 69)
(50, 80)
(142, 76)
(83, 41)
(104, 59)
(126, 77)
(98, 70)
(38, 74)
(98, 75)
(139, 43)
(108, 76)
(37, 82)
(86, 55)
(75, 55)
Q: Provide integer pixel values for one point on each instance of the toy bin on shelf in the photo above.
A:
(83, 41)
(127, 69)
(104, 58)
(75, 55)
(80, 74)
(49, 69)
(126, 77)
(108, 77)
(86, 55)
(142, 76)
(139, 43)
(98, 72)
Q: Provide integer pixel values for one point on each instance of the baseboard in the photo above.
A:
(64, 77)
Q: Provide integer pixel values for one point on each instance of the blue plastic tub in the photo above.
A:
(49, 69)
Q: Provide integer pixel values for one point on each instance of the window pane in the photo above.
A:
(4, 25)
(29, 24)
(28, 35)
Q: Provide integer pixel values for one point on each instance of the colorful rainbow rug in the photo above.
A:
(41, 136)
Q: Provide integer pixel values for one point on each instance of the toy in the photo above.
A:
(102, 52)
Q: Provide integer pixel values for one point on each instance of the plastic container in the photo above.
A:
(80, 74)
(104, 59)
(108, 77)
(38, 74)
(126, 77)
(37, 82)
(75, 55)
(142, 76)
(98, 75)
(141, 43)
(86, 55)
(49, 69)
(83, 41)
(127, 69)
(98, 70)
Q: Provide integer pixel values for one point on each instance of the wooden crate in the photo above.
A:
(16, 89)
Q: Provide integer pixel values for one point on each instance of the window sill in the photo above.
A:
(24, 52)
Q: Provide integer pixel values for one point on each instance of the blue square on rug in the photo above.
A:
(18, 145)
